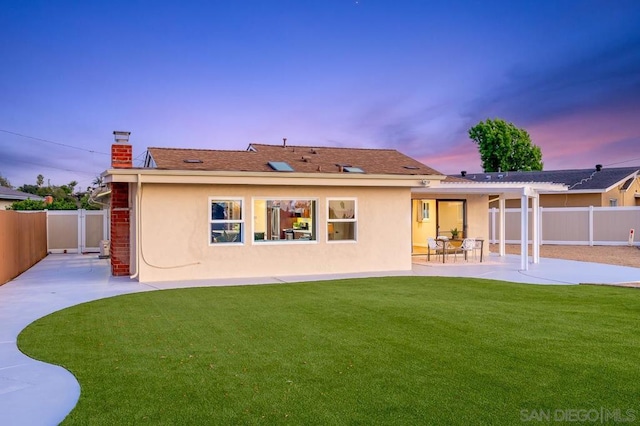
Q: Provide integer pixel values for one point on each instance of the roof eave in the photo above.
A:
(265, 178)
(508, 189)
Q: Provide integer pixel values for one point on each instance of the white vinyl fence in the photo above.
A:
(572, 225)
(76, 231)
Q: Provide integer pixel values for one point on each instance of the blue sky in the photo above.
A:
(410, 75)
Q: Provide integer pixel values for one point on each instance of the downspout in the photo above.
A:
(137, 216)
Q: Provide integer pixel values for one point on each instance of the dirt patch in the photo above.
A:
(612, 255)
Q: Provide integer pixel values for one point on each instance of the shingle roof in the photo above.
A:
(302, 159)
(12, 194)
(577, 179)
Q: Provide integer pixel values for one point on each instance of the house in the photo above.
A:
(597, 187)
(277, 210)
(8, 196)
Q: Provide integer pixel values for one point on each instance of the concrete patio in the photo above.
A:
(35, 393)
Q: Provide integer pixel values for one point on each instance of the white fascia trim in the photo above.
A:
(265, 178)
(494, 188)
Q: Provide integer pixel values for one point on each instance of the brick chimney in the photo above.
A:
(121, 152)
(121, 158)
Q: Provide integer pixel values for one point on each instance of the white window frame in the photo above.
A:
(240, 221)
(354, 220)
(265, 242)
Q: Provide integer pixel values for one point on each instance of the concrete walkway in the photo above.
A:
(35, 393)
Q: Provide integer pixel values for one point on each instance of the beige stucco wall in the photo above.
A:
(175, 234)
(421, 229)
(625, 198)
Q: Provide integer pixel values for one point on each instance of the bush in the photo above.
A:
(41, 205)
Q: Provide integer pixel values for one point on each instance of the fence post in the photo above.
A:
(524, 232)
(105, 225)
(590, 225)
(535, 219)
(81, 230)
(492, 217)
(540, 212)
(46, 211)
(503, 226)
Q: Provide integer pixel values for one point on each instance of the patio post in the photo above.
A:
(524, 228)
(535, 226)
(501, 206)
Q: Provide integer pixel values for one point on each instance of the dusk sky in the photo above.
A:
(410, 75)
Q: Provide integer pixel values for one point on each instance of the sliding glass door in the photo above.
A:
(451, 218)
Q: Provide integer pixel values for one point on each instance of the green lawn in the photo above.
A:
(408, 350)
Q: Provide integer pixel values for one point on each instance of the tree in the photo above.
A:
(504, 147)
(72, 186)
(5, 182)
(41, 205)
(63, 197)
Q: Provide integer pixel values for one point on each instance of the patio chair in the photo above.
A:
(468, 245)
(432, 245)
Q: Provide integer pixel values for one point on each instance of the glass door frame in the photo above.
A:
(464, 214)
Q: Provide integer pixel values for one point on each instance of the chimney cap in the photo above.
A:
(463, 173)
(121, 136)
(598, 167)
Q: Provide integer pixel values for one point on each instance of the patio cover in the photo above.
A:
(504, 190)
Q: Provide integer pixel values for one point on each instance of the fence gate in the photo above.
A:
(76, 231)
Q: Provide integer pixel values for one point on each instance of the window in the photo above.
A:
(284, 220)
(342, 219)
(613, 202)
(424, 211)
(226, 221)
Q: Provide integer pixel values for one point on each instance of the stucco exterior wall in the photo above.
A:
(625, 198)
(174, 234)
(422, 228)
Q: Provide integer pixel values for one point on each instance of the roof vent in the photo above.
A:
(598, 167)
(411, 167)
(488, 177)
(313, 151)
(500, 176)
(463, 173)
(305, 159)
(192, 161)
(284, 142)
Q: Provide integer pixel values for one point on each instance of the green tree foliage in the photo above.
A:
(63, 197)
(41, 205)
(504, 147)
(27, 205)
(5, 182)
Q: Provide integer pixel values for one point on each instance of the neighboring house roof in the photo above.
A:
(301, 159)
(12, 194)
(578, 180)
